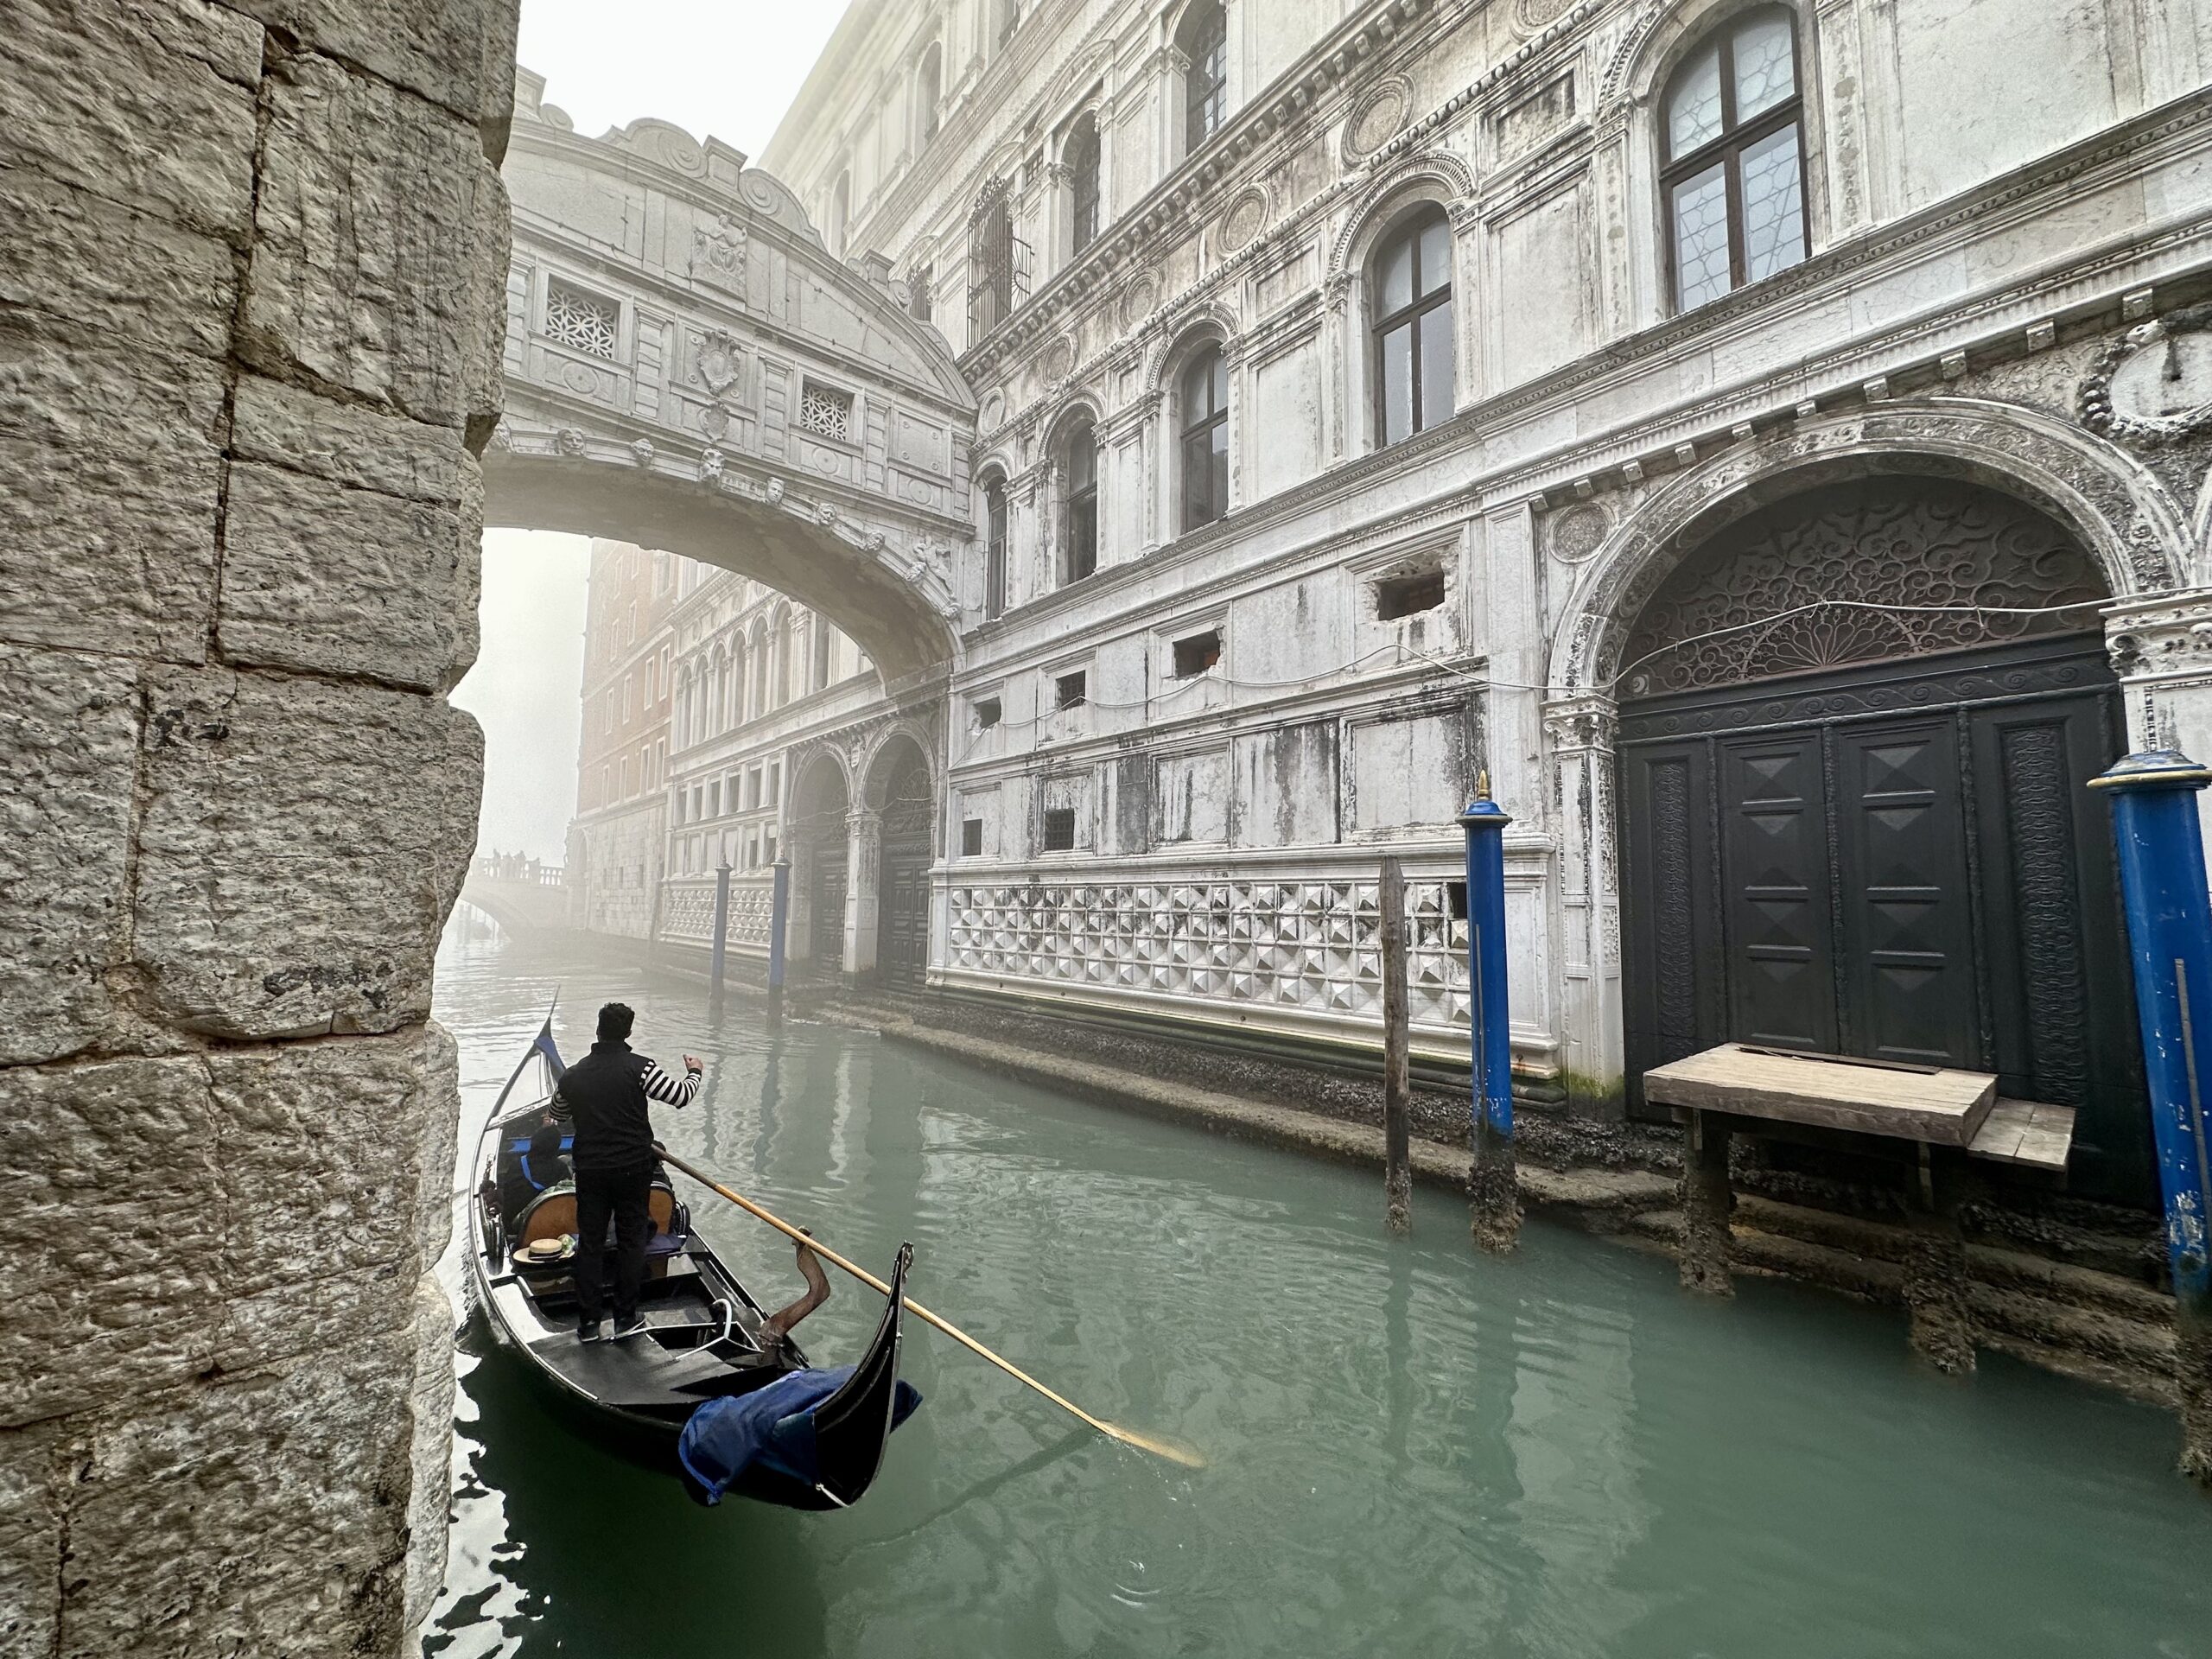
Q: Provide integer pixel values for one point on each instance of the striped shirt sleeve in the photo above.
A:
(660, 1086)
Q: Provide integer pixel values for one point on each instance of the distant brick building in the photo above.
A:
(617, 842)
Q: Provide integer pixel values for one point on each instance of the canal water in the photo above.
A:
(1413, 1451)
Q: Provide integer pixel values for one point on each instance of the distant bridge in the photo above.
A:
(528, 900)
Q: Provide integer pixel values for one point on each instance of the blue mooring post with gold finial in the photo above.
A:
(2162, 881)
(2162, 878)
(1493, 1184)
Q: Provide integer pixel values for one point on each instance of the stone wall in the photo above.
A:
(249, 321)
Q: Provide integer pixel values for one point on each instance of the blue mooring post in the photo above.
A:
(1493, 1185)
(2162, 880)
(722, 929)
(779, 916)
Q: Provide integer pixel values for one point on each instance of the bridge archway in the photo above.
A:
(689, 368)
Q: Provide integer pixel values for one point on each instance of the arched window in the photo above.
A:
(789, 662)
(841, 207)
(1005, 13)
(1732, 157)
(1203, 38)
(1411, 305)
(994, 545)
(1202, 411)
(823, 637)
(758, 653)
(1081, 157)
(929, 90)
(1079, 530)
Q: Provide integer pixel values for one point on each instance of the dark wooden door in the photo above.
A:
(1899, 861)
(826, 909)
(903, 918)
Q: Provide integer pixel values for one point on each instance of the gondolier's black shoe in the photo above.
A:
(587, 1330)
(632, 1326)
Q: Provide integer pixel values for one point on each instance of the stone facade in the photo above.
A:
(248, 312)
(617, 842)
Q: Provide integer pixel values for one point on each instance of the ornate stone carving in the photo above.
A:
(719, 362)
(1579, 530)
(990, 413)
(2167, 638)
(1537, 13)
(2154, 385)
(1057, 361)
(1588, 722)
(710, 466)
(642, 452)
(1140, 297)
(1245, 219)
(1377, 118)
(570, 441)
(1790, 588)
(718, 252)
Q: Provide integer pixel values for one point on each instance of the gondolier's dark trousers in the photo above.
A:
(624, 1194)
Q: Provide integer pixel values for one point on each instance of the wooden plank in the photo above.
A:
(1942, 1107)
(2030, 1133)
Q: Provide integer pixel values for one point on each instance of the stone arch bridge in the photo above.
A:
(688, 367)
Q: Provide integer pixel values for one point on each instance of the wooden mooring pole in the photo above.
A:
(718, 957)
(1397, 1133)
(1493, 1180)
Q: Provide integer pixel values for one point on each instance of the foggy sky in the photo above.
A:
(718, 68)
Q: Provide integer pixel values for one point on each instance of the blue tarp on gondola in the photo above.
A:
(761, 1444)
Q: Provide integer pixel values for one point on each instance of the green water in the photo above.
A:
(1413, 1451)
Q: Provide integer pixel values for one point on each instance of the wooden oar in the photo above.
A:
(1158, 1447)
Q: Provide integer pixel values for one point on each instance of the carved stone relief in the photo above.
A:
(1377, 118)
(2154, 385)
(1246, 217)
(1578, 531)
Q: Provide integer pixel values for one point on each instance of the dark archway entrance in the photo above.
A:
(818, 841)
(1866, 832)
(899, 788)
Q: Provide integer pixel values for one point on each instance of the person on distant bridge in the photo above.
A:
(605, 1095)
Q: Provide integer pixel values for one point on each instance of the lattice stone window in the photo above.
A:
(826, 412)
(581, 321)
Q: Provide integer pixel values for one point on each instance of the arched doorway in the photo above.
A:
(817, 840)
(1862, 830)
(900, 791)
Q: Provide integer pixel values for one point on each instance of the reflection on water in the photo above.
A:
(1413, 1450)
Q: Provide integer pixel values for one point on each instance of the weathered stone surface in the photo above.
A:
(110, 1231)
(30, 1540)
(110, 273)
(107, 524)
(366, 259)
(358, 447)
(257, 1515)
(348, 581)
(431, 1402)
(148, 102)
(68, 745)
(301, 846)
(457, 53)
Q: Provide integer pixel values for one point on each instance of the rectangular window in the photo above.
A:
(1071, 690)
(918, 284)
(1199, 653)
(714, 799)
(971, 837)
(1455, 897)
(768, 847)
(988, 713)
(1059, 828)
(582, 321)
(1407, 596)
(826, 412)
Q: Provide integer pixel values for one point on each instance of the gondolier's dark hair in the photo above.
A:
(614, 1022)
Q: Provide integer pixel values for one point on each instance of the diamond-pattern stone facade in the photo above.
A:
(1313, 945)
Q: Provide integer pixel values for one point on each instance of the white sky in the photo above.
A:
(718, 68)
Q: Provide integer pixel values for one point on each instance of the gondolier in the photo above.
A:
(605, 1095)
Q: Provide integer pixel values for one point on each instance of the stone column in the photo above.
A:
(1579, 735)
(253, 279)
(863, 875)
(2161, 648)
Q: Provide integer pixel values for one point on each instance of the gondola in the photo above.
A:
(707, 1341)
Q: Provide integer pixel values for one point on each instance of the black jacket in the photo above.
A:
(605, 1094)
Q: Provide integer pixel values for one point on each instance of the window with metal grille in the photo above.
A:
(1733, 159)
(581, 321)
(1059, 828)
(1072, 690)
(998, 264)
(1203, 418)
(1081, 157)
(971, 838)
(1080, 458)
(1204, 39)
(918, 286)
(826, 412)
(1195, 655)
(1412, 311)
(1408, 595)
(994, 546)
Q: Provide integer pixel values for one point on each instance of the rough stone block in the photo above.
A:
(110, 1231)
(457, 53)
(348, 581)
(30, 1540)
(146, 102)
(358, 447)
(110, 273)
(441, 1152)
(107, 523)
(301, 844)
(170, 1546)
(366, 253)
(68, 746)
(431, 1402)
